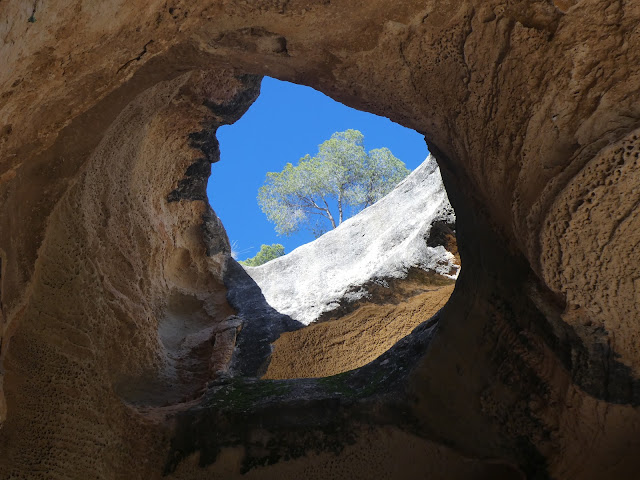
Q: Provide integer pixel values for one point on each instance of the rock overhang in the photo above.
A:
(521, 105)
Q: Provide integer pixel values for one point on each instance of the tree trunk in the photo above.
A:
(330, 217)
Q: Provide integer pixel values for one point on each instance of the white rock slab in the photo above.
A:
(382, 241)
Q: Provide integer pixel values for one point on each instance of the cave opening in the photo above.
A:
(534, 108)
(286, 122)
(357, 289)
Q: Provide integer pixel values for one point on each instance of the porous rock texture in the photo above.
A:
(118, 340)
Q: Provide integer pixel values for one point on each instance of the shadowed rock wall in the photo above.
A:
(112, 296)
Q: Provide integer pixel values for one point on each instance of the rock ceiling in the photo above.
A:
(107, 243)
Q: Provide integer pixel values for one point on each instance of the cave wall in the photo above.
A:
(127, 299)
(110, 253)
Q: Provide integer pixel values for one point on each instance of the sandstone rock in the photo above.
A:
(532, 110)
(353, 339)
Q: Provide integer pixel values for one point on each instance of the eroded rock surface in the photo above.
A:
(370, 281)
(355, 338)
(113, 266)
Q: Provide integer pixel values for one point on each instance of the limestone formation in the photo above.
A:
(121, 355)
(367, 254)
(372, 280)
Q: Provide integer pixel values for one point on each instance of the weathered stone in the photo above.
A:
(366, 258)
(532, 110)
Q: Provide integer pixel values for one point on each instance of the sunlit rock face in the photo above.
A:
(370, 281)
(381, 244)
(117, 336)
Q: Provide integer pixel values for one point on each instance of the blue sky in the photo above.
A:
(286, 122)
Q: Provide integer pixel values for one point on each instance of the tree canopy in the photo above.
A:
(266, 254)
(321, 191)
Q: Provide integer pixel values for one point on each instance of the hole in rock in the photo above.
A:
(370, 280)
